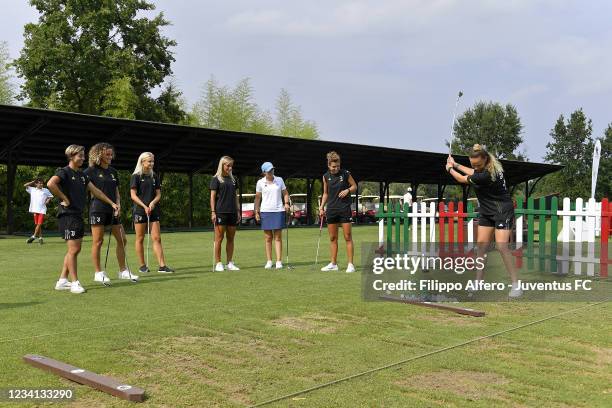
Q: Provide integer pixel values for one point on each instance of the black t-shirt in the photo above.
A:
(106, 180)
(226, 195)
(146, 188)
(493, 195)
(336, 183)
(73, 183)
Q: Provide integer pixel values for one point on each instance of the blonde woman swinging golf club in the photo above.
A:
(496, 214)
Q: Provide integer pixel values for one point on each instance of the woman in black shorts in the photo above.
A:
(338, 184)
(496, 213)
(225, 211)
(70, 184)
(145, 191)
(106, 179)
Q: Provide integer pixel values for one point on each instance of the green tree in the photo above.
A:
(604, 180)
(6, 87)
(289, 120)
(221, 107)
(81, 52)
(572, 147)
(493, 125)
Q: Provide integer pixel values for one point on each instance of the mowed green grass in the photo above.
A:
(204, 339)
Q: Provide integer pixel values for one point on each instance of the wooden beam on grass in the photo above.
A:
(102, 383)
(435, 305)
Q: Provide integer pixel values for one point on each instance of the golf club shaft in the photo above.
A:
(319, 241)
(148, 237)
(452, 133)
(108, 246)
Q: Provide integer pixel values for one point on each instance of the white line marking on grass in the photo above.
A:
(420, 356)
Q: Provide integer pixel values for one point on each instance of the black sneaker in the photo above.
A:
(143, 269)
(30, 240)
(165, 269)
(40, 241)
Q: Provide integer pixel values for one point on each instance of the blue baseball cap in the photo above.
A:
(267, 167)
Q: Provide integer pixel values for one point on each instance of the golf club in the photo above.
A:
(107, 250)
(124, 241)
(319, 242)
(452, 135)
(214, 243)
(148, 236)
(287, 238)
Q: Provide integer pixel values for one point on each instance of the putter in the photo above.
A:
(107, 250)
(319, 242)
(452, 135)
(124, 241)
(214, 243)
(148, 237)
(287, 238)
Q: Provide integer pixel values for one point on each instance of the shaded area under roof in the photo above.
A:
(39, 137)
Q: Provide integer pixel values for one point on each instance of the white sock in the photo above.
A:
(62, 280)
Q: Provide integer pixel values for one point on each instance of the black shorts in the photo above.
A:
(339, 216)
(71, 226)
(142, 218)
(229, 219)
(105, 219)
(503, 220)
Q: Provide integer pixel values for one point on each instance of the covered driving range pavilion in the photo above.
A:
(38, 137)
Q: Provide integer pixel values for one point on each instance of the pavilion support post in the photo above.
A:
(357, 205)
(240, 194)
(190, 175)
(387, 185)
(309, 185)
(440, 192)
(464, 196)
(381, 193)
(10, 187)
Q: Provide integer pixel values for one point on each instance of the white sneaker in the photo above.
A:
(219, 267)
(232, 267)
(62, 284)
(515, 291)
(75, 287)
(279, 265)
(350, 268)
(102, 278)
(268, 265)
(126, 274)
(330, 267)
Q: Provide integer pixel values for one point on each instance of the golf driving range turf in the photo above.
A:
(201, 338)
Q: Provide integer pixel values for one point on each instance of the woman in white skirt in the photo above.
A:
(271, 205)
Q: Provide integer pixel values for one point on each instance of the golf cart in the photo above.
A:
(368, 205)
(299, 216)
(248, 209)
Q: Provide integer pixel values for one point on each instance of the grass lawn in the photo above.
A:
(204, 339)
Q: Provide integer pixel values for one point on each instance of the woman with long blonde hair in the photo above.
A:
(225, 211)
(496, 209)
(106, 179)
(145, 191)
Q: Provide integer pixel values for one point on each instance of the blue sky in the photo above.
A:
(387, 72)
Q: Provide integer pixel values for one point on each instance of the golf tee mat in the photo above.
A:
(100, 382)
